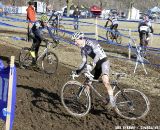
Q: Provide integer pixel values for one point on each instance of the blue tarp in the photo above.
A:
(4, 82)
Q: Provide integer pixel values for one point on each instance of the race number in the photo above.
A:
(144, 28)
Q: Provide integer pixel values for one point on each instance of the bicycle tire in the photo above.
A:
(25, 58)
(118, 38)
(126, 109)
(50, 63)
(72, 103)
(55, 43)
(109, 36)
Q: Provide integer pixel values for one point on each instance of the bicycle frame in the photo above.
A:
(45, 51)
(114, 84)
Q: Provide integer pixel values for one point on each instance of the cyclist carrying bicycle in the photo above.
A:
(114, 22)
(55, 19)
(145, 26)
(38, 37)
(100, 63)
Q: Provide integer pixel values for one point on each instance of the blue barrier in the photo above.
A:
(7, 77)
(9, 25)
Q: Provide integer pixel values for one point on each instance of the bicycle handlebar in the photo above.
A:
(87, 74)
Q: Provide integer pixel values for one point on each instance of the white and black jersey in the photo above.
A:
(92, 49)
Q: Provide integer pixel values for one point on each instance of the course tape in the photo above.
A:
(65, 31)
(9, 25)
(88, 23)
(69, 32)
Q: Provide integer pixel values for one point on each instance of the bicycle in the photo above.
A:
(76, 98)
(113, 35)
(55, 23)
(47, 59)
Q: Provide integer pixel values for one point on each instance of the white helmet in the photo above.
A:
(78, 35)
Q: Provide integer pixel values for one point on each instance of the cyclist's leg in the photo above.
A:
(115, 35)
(105, 78)
(112, 34)
(141, 39)
(35, 48)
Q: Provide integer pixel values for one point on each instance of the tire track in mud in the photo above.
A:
(39, 106)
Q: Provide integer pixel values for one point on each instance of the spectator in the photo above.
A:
(76, 15)
(31, 16)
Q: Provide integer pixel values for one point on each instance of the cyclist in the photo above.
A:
(100, 63)
(38, 37)
(56, 18)
(114, 22)
(144, 25)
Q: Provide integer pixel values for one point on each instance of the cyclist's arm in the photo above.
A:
(84, 62)
(51, 17)
(106, 23)
(51, 34)
(36, 30)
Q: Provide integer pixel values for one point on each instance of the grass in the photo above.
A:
(91, 29)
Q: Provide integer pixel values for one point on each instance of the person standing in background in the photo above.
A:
(31, 17)
(76, 15)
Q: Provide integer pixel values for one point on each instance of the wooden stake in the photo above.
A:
(9, 103)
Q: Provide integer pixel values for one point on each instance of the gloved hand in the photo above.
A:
(74, 74)
(89, 67)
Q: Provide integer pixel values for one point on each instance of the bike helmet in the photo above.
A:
(44, 18)
(78, 35)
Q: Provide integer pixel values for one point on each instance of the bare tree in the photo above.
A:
(69, 2)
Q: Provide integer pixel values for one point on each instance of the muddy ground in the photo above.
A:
(38, 105)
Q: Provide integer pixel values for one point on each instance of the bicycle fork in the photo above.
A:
(80, 91)
(129, 102)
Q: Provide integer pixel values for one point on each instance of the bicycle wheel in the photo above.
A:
(25, 58)
(75, 99)
(131, 104)
(118, 38)
(50, 63)
(109, 36)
